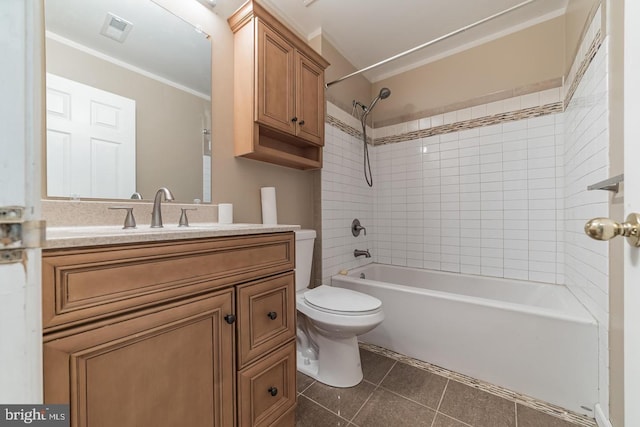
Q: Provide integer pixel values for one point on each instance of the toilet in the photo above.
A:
(329, 321)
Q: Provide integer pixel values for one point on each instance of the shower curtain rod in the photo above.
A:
(429, 43)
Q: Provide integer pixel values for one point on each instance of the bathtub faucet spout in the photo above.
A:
(358, 252)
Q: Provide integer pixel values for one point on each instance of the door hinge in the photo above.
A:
(16, 234)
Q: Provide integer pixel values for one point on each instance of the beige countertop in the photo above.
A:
(67, 237)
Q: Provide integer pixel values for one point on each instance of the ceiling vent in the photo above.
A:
(116, 28)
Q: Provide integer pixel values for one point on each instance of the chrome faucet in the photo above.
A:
(358, 252)
(156, 214)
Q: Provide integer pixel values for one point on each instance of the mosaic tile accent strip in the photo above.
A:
(346, 128)
(527, 113)
(586, 62)
(525, 400)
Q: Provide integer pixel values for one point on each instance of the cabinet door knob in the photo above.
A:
(301, 123)
(295, 119)
(272, 315)
(273, 391)
(230, 318)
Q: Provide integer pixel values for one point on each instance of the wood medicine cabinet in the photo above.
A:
(279, 98)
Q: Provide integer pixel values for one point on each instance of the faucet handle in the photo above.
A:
(129, 220)
(184, 221)
(356, 228)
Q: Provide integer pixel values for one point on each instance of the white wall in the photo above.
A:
(484, 200)
(345, 196)
(479, 201)
(586, 159)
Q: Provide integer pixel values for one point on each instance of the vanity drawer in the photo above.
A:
(267, 389)
(86, 284)
(266, 316)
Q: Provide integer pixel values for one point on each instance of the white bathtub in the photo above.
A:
(532, 338)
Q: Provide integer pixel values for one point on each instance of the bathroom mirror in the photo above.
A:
(128, 101)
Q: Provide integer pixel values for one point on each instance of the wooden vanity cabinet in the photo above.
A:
(171, 365)
(279, 102)
(209, 342)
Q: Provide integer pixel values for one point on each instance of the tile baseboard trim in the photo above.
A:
(547, 408)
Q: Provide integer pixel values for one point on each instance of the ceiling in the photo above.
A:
(363, 31)
(368, 31)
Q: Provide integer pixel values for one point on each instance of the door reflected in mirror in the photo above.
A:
(128, 101)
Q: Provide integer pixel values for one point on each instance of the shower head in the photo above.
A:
(384, 94)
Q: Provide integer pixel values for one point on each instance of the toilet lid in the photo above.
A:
(329, 298)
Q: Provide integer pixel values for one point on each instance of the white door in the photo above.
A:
(20, 142)
(631, 204)
(91, 141)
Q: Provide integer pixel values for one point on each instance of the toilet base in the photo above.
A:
(338, 363)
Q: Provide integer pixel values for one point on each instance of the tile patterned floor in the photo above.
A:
(397, 394)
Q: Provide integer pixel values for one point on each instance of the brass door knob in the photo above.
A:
(606, 229)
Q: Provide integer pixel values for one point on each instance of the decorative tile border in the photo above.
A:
(343, 126)
(591, 53)
(525, 400)
(526, 113)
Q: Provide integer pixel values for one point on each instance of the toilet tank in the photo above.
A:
(304, 257)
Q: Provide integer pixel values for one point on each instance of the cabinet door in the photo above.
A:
(168, 366)
(310, 100)
(275, 101)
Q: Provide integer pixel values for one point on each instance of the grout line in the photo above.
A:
(362, 406)
(443, 393)
(516, 411)
(308, 387)
(447, 415)
(388, 372)
(376, 387)
(408, 398)
(440, 402)
(455, 419)
(324, 407)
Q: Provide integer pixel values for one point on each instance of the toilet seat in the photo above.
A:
(341, 301)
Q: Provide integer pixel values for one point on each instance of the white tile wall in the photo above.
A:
(586, 160)
(479, 201)
(345, 196)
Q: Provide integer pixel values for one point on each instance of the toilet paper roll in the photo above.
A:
(269, 208)
(225, 213)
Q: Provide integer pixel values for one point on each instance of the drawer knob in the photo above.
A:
(273, 391)
(272, 315)
(230, 318)
(301, 123)
(294, 119)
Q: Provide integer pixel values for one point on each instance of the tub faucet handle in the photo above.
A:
(356, 227)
